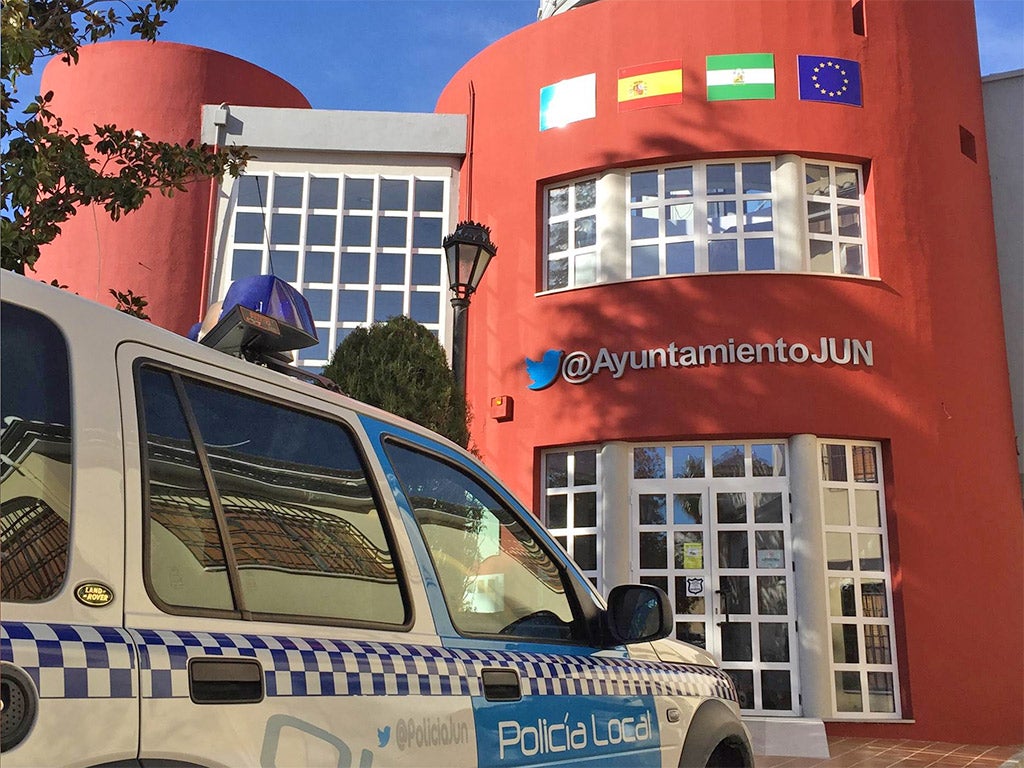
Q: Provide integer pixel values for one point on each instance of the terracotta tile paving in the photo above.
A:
(900, 753)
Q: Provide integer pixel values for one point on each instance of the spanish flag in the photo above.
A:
(651, 85)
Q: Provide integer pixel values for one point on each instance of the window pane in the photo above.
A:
(869, 549)
(558, 273)
(757, 216)
(841, 598)
(287, 192)
(819, 218)
(852, 259)
(846, 183)
(585, 266)
(387, 304)
(558, 511)
(874, 603)
(848, 692)
(323, 193)
(881, 695)
(320, 229)
(245, 263)
(359, 194)
(584, 509)
(426, 269)
(866, 504)
(35, 425)
(426, 233)
(759, 254)
(865, 470)
(844, 644)
(355, 230)
(558, 236)
(319, 303)
(727, 460)
(495, 577)
(821, 256)
(332, 559)
(678, 219)
(722, 217)
(648, 463)
(585, 467)
(285, 264)
(817, 180)
(688, 461)
(839, 551)
(849, 221)
(390, 269)
(679, 258)
(586, 195)
(877, 648)
(352, 306)
(319, 267)
(643, 186)
(768, 460)
(558, 201)
(644, 261)
(722, 256)
(429, 196)
(248, 227)
(252, 190)
(424, 307)
(679, 182)
(584, 551)
(355, 268)
(643, 223)
(833, 462)
(556, 471)
(757, 178)
(721, 179)
(391, 231)
(837, 506)
(585, 231)
(394, 195)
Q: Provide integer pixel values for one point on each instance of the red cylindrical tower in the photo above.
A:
(161, 250)
(936, 397)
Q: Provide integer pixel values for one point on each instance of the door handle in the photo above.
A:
(724, 603)
(225, 681)
(501, 684)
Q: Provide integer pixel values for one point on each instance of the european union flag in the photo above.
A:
(826, 78)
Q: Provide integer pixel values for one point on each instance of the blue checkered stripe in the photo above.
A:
(72, 662)
(319, 667)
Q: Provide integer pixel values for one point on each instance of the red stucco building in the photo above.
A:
(766, 363)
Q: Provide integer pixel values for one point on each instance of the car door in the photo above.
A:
(271, 604)
(544, 692)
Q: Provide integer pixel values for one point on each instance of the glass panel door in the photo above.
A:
(718, 541)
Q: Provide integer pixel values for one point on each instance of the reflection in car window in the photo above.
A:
(496, 578)
(305, 536)
(35, 443)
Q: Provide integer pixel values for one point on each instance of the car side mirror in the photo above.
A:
(638, 613)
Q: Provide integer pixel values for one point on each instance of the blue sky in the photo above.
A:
(397, 55)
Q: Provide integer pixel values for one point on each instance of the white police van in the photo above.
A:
(210, 562)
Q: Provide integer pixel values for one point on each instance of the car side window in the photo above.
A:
(260, 509)
(496, 577)
(35, 445)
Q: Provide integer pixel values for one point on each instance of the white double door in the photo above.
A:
(721, 548)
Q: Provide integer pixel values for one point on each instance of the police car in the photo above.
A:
(207, 561)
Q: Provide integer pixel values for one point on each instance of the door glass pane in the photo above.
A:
(771, 551)
(732, 507)
(652, 509)
(736, 641)
(686, 508)
(687, 603)
(743, 680)
(733, 550)
(689, 550)
(771, 596)
(774, 636)
(776, 689)
(767, 507)
(692, 632)
(735, 594)
(653, 550)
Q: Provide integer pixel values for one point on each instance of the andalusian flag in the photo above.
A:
(651, 85)
(741, 76)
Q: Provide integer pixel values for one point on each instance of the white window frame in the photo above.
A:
(862, 667)
(572, 254)
(566, 535)
(840, 242)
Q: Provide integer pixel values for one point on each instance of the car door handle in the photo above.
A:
(501, 684)
(225, 681)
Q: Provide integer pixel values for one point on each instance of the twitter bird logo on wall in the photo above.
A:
(543, 372)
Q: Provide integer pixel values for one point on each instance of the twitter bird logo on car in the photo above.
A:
(542, 372)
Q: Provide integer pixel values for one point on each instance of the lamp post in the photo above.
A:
(468, 251)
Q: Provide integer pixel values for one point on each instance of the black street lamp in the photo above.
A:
(468, 251)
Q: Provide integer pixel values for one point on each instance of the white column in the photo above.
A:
(813, 639)
(790, 214)
(616, 469)
(612, 256)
